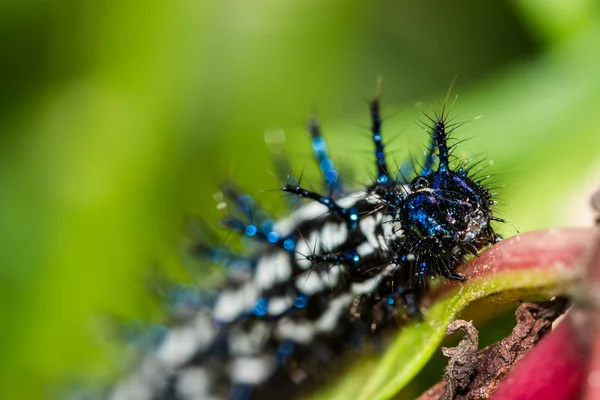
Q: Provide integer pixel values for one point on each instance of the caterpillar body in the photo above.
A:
(331, 274)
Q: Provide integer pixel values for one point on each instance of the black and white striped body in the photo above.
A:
(308, 303)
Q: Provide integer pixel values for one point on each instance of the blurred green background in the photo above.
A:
(120, 118)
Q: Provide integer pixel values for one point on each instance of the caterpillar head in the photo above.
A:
(450, 211)
(447, 208)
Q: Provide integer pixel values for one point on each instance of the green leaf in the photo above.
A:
(410, 351)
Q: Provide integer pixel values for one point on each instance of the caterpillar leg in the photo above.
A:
(455, 276)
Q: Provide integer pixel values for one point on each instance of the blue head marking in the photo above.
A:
(423, 216)
(449, 209)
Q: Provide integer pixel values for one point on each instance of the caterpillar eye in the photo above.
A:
(419, 183)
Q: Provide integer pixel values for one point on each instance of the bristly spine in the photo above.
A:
(336, 270)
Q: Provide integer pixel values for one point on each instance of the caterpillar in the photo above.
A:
(331, 274)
